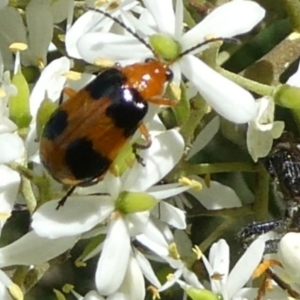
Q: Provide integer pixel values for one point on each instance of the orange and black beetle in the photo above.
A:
(86, 133)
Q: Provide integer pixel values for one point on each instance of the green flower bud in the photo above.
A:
(202, 294)
(165, 46)
(132, 202)
(287, 96)
(19, 111)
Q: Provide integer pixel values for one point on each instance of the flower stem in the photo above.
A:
(259, 88)
(216, 234)
(197, 112)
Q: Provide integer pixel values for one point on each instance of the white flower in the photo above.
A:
(263, 129)
(82, 213)
(177, 247)
(237, 104)
(229, 284)
(222, 283)
(93, 21)
(289, 257)
(12, 149)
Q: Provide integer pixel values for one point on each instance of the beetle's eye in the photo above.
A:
(169, 75)
(147, 60)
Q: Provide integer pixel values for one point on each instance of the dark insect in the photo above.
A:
(283, 165)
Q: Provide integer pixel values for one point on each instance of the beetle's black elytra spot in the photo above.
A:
(127, 109)
(56, 125)
(105, 83)
(84, 162)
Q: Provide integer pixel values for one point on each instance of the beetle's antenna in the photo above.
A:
(187, 51)
(106, 14)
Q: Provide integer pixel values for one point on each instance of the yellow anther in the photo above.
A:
(173, 251)
(16, 292)
(154, 291)
(190, 182)
(79, 263)
(104, 62)
(18, 47)
(197, 251)
(67, 288)
(72, 75)
(59, 295)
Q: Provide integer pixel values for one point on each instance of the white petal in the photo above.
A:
(137, 222)
(179, 19)
(289, 254)
(217, 196)
(4, 279)
(40, 29)
(9, 187)
(164, 153)
(7, 125)
(133, 286)
(146, 268)
(245, 267)
(32, 249)
(171, 215)
(163, 13)
(205, 136)
(93, 295)
(191, 278)
(167, 190)
(114, 259)
(12, 147)
(228, 99)
(154, 239)
(78, 215)
(228, 20)
(219, 259)
(94, 45)
(3, 3)
(294, 80)
(50, 83)
(259, 143)
(60, 10)
(4, 294)
(12, 27)
(88, 21)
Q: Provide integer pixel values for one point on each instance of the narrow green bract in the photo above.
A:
(45, 110)
(19, 111)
